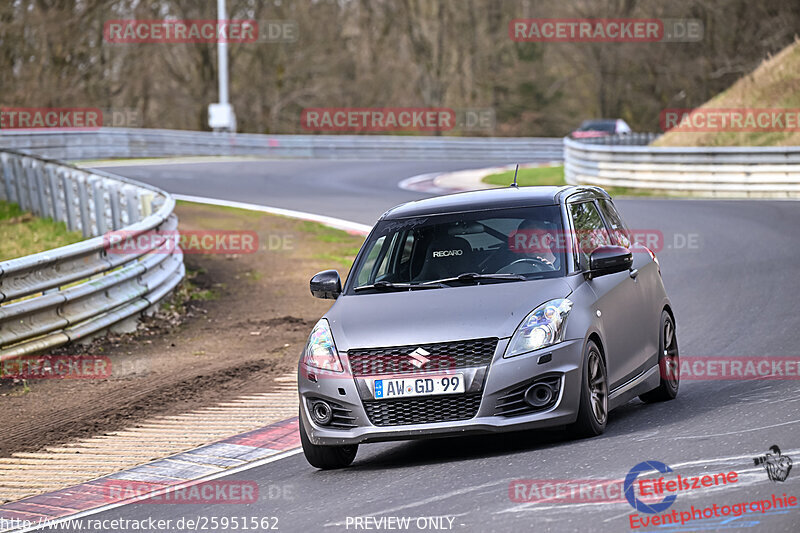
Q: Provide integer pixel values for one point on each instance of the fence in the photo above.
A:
(131, 143)
(709, 171)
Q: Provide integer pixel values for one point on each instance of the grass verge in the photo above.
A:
(554, 175)
(326, 244)
(22, 234)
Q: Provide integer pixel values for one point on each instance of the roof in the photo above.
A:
(507, 197)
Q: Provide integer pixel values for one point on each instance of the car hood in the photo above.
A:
(438, 315)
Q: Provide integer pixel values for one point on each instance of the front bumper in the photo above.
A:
(502, 375)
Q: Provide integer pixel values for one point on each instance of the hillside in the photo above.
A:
(775, 84)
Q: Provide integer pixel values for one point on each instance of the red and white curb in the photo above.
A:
(459, 180)
(205, 463)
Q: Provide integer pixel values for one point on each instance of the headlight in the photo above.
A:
(320, 351)
(544, 326)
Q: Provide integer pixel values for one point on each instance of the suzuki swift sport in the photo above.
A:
(486, 311)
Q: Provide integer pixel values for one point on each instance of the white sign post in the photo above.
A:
(221, 116)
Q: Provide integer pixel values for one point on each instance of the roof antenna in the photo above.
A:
(515, 178)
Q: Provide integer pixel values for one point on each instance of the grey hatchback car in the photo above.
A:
(486, 311)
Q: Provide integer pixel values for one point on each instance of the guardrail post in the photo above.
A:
(69, 202)
(55, 206)
(30, 185)
(146, 201)
(98, 192)
(7, 177)
(116, 209)
(83, 199)
(38, 180)
(47, 192)
(132, 204)
(20, 183)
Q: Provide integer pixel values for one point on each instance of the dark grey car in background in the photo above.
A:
(486, 311)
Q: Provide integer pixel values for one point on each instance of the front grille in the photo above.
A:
(513, 402)
(443, 356)
(422, 410)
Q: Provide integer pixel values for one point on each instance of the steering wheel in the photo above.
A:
(539, 264)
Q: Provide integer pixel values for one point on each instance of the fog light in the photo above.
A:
(321, 412)
(539, 395)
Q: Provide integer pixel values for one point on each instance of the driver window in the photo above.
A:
(369, 264)
(590, 232)
(619, 232)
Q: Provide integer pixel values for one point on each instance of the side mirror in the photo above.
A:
(609, 259)
(326, 284)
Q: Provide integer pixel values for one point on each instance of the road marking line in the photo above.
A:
(230, 471)
(338, 223)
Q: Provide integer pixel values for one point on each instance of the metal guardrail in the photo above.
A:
(76, 291)
(733, 171)
(134, 143)
(625, 139)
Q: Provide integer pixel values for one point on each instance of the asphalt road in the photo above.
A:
(730, 268)
(353, 190)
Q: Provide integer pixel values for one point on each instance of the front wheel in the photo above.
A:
(668, 363)
(593, 410)
(326, 457)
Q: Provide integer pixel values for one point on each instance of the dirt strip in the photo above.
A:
(240, 321)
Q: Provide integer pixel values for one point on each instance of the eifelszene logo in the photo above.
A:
(630, 480)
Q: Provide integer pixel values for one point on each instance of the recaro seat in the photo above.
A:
(445, 257)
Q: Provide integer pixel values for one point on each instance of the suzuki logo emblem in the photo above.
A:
(419, 357)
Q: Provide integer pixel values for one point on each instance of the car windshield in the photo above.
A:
(598, 125)
(493, 246)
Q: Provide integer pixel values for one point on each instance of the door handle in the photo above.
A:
(634, 272)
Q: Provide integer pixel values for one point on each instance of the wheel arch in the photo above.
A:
(595, 337)
(668, 309)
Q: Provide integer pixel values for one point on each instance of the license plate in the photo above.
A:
(418, 386)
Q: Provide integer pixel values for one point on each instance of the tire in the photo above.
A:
(668, 363)
(326, 457)
(593, 410)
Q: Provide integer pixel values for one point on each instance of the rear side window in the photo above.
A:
(619, 232)
(590, 232)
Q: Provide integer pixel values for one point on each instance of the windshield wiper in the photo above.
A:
(468, 277)
(388, 285)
